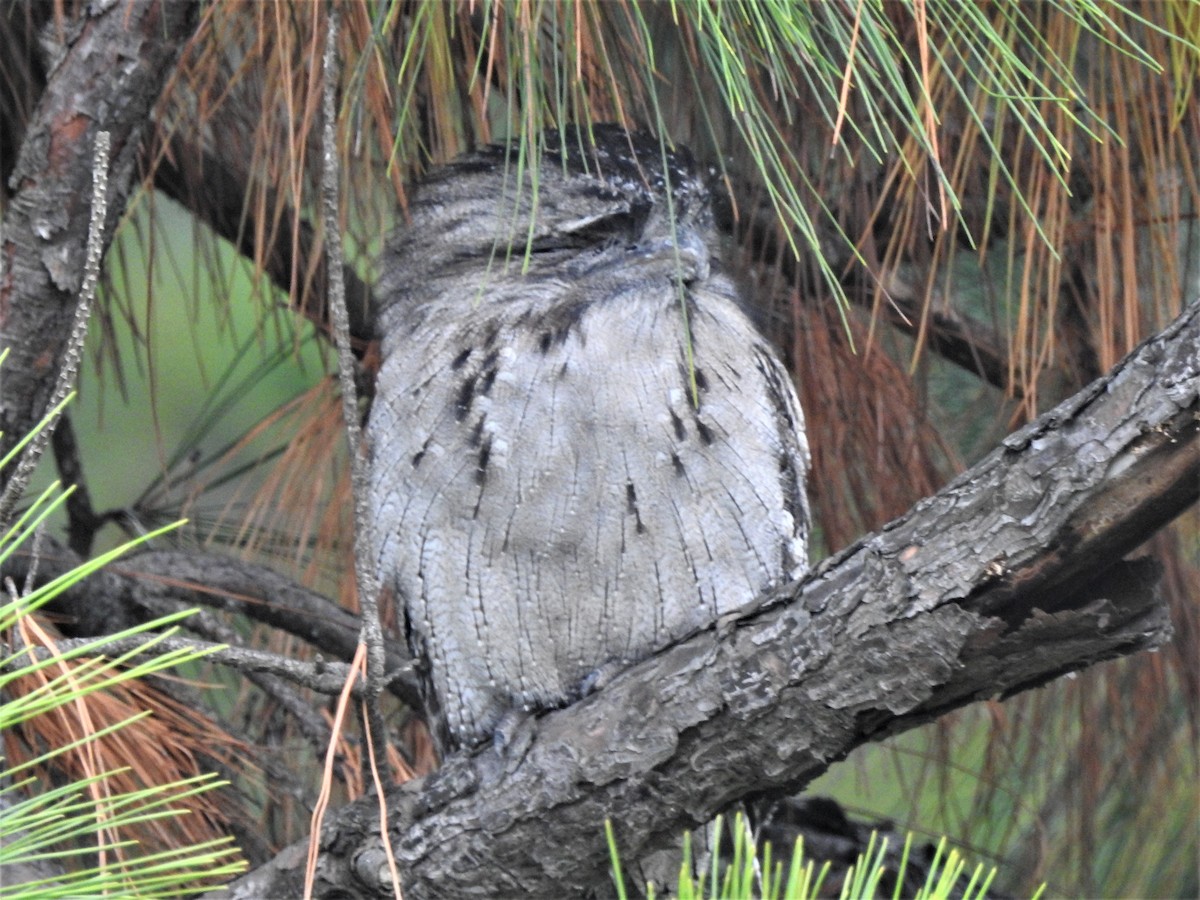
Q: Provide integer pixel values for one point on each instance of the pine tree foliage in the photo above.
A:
(950, 215)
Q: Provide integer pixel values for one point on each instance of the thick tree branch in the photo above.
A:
(111, 72)
(64, 380)
(212, 579)
(1005, 579)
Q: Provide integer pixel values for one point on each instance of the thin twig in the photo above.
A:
(191, 577)
(212, 629)
(321, 676)
(74, 350)
(364, 557)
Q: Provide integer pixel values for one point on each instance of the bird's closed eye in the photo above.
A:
(618, 225)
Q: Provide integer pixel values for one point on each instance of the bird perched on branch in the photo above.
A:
(581, 448)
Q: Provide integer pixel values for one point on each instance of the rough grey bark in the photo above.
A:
(1007, 578)
(114, 63)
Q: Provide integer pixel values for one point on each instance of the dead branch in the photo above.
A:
(1007, 578)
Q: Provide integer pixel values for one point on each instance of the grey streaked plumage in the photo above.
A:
(547, 497)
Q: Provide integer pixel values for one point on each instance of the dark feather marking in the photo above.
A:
(686, 374)
(420, 454)
(557, 322)
(786, 558)
(775, 391)
(631, 506)
(481, 473)
(466, 394)
(416, 391)
(485, 385)
(791, 483)
(680, 433)
(706, 434)
(460, 359)
(476, 437)
(677, 463)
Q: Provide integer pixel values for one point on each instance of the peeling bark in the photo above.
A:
(112, 69)
(1007, 578)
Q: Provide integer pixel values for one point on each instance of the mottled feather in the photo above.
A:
(547, 496)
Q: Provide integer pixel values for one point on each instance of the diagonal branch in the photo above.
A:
(959, 338)
(214, 190)
(1005, 579)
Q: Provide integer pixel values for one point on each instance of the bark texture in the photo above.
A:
(1010, 576)
(115, 61)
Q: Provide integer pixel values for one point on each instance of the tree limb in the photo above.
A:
(214, 190)
(320, 676)
(1005, 579)
(110, 75)
(105, 601)
(64, 379)
(957, 337)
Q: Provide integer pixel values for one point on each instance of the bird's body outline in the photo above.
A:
(547, 494)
